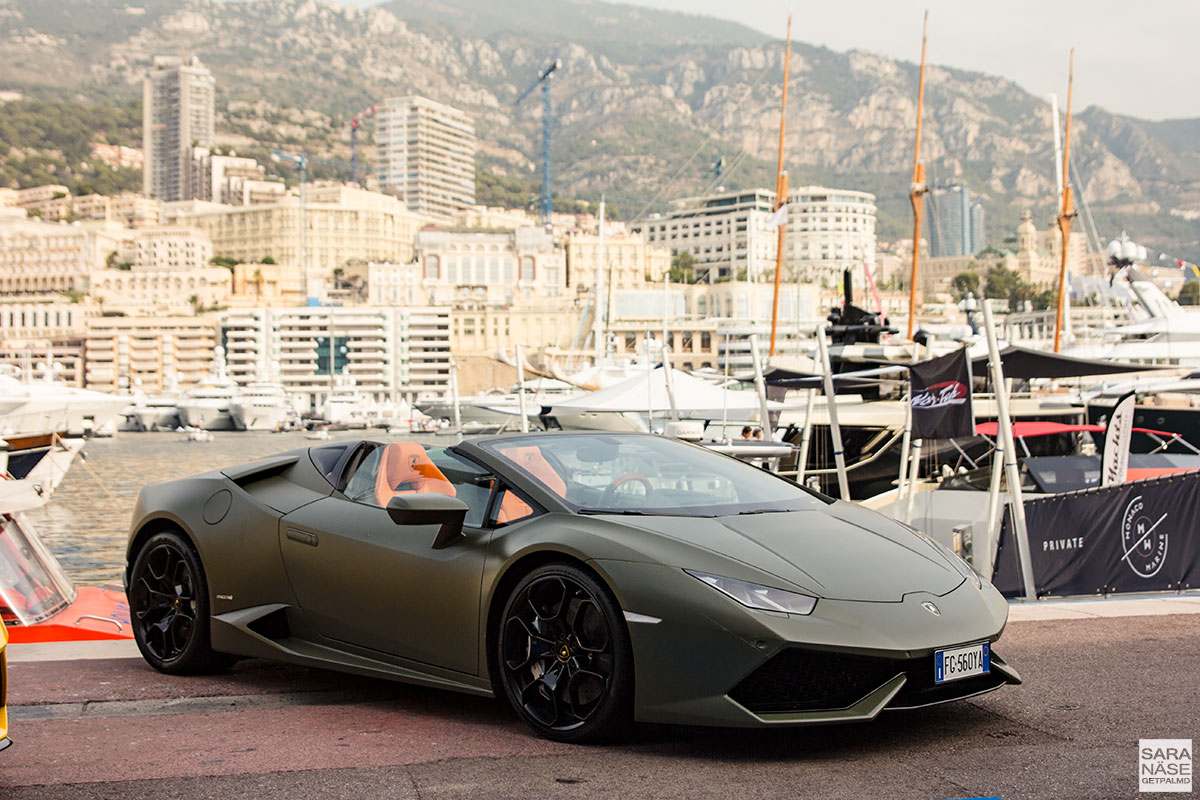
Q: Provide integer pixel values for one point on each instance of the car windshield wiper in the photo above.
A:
(626, 511)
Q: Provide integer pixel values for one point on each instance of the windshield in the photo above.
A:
(646, 474)
(32, 585)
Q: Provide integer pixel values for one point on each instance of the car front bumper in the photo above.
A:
(703, 659)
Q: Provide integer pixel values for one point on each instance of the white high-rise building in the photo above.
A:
(426, 155)
(389, 352)
(828, 230)
(178, 111)
(729, 234)
(726, 233)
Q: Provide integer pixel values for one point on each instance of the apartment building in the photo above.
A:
(167, 247)
(344, 225)
(489, 268)
(149, 287)
(630, 261)
(43, 332)
(426, 155)
(178, 115)
(38, 257)
(376, 346)
(727, 233)
(122, 352)
(828, 231)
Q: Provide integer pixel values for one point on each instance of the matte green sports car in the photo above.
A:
(593, 579)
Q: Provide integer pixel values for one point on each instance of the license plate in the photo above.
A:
(962, 662)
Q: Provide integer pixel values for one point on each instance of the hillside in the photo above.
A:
(645, 103)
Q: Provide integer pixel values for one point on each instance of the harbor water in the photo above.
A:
(86, 523)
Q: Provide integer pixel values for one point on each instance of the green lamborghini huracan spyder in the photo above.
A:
(593, 579)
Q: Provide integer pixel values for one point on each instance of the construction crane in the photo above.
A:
(301, 162)
(544, 80)
(355, 121)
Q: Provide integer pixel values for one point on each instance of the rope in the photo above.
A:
(91, 471)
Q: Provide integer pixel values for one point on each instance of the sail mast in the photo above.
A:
(1068, 211)
(780, 186)
(917, 191)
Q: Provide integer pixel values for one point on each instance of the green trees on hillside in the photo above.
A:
(46, 141)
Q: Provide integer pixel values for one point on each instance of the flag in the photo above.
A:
(941, 397)
(1116, 441)
(780, 217)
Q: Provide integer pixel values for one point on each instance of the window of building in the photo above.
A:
(433, 267)
(528, 271)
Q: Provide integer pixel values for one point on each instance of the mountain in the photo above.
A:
(645, 103)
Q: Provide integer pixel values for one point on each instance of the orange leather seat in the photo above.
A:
(405, 468)
(530, 459)
(512, 508)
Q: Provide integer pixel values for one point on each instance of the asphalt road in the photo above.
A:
(116, 729)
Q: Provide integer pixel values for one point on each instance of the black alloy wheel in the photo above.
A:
(169, 607)
(564, 656)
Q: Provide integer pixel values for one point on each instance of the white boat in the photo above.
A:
(263, 406)
(207, 405)
(345, 407)
(38, 405)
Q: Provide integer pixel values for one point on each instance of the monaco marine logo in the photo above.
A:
(1143, 539)
(940, 395)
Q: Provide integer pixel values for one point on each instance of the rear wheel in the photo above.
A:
(169, 608)
(564, 656)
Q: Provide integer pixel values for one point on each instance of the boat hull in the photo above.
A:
(259, 418)
(209, 417)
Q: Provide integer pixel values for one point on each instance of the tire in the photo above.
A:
(564, 656)
(169, 608)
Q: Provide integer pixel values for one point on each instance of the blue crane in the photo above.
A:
(544, 80)
(301, 162)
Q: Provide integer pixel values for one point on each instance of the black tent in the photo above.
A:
(1023, 364)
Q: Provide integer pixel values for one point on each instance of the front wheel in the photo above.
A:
(564, 656)
(169, 608)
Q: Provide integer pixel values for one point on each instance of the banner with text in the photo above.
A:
(941, 397)
(1134, 537)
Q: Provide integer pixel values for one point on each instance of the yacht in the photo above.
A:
(207, 405)
(35, 411)
(263, 406)
(155, 412)
(346, 407)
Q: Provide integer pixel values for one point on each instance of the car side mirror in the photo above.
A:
(430, 509)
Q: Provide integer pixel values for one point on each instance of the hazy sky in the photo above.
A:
(1139, 58)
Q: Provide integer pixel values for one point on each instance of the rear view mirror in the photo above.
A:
(430, 509)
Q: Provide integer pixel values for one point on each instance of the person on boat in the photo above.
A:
(747, 432)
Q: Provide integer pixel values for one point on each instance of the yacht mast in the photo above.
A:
(780, 186)
(917, 191)
(599, 312)
(1068, 212)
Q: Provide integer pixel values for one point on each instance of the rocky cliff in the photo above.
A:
(645, 103)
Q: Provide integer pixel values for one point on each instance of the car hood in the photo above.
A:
(842, 552)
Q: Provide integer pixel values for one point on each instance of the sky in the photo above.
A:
(1136, 58)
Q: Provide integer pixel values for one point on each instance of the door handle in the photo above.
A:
(303, 537)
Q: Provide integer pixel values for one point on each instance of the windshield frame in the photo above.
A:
(804, 498)
(23, 552)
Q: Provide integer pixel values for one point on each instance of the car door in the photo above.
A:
(365, 580)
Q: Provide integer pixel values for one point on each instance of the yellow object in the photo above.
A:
(4, 740)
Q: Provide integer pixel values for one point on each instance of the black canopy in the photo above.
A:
(1024, 364)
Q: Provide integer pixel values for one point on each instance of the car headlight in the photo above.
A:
(753, 595)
